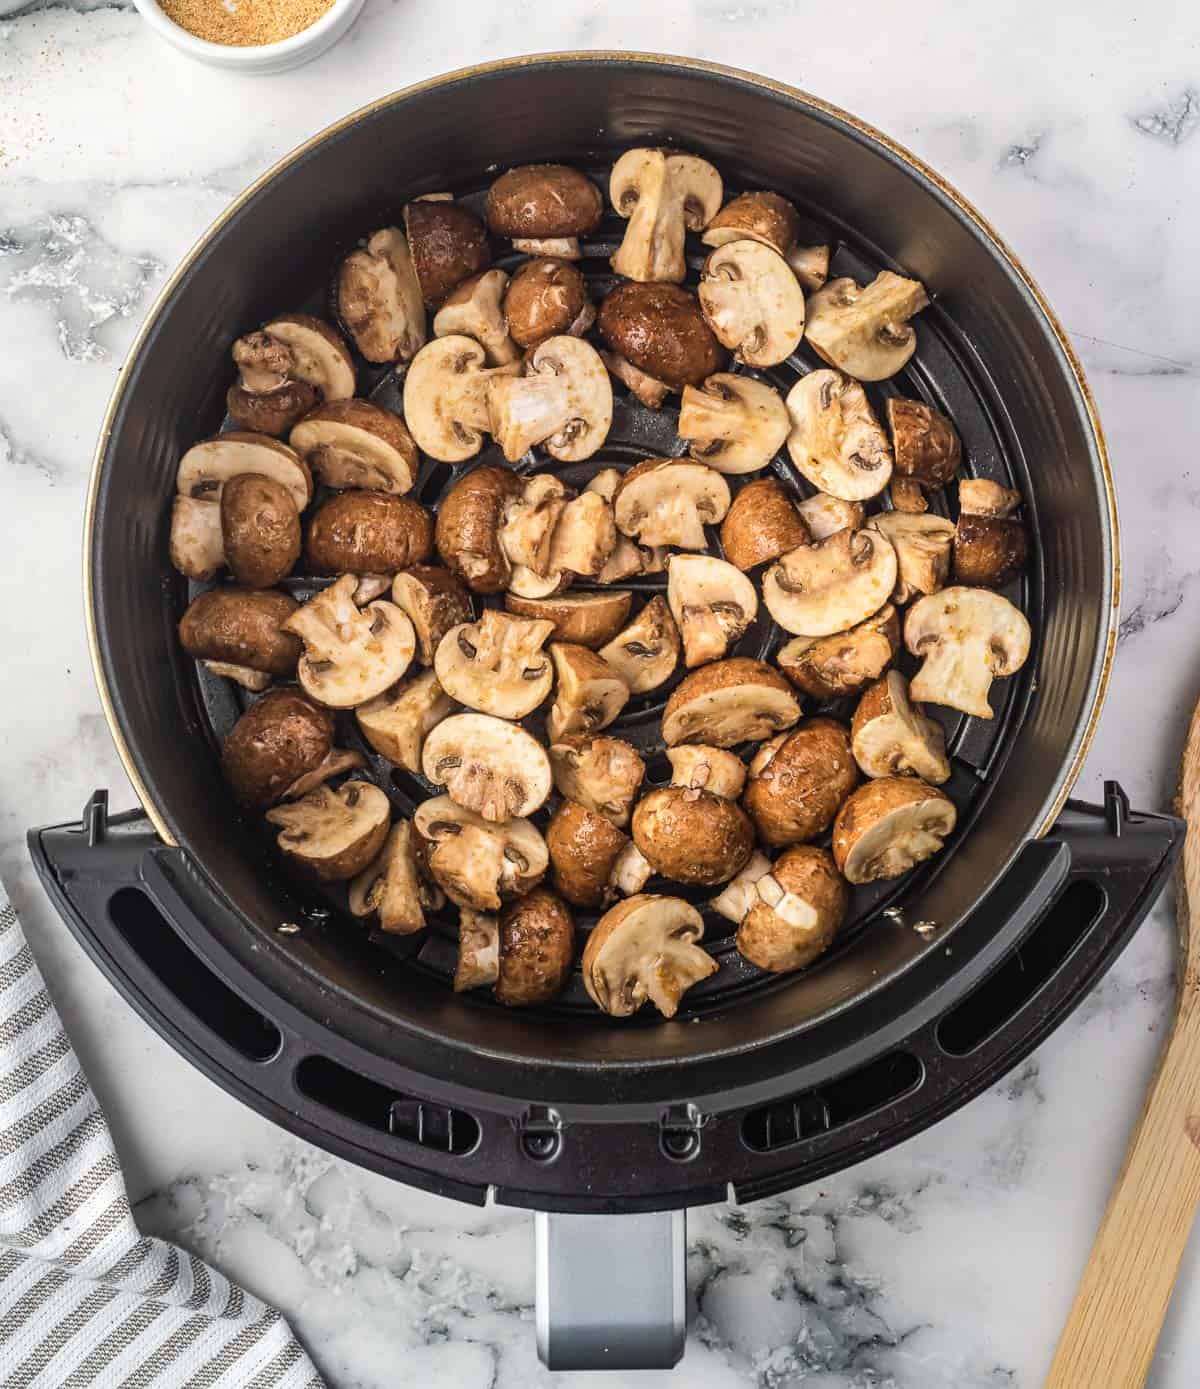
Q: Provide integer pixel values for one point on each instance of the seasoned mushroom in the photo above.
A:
(665, 501)
(379, 298)
(628, 560)
(798, 781)
(968, 637)
(729, 702)
(763, 217)
(477, 864)
(836, 441)
(196, 548)
(478, 950)
(584, 537)
(907, 495)
(448, 244)
(739, 894)
(337, 761)
(823, 515)
(355, 443)
(243, 628)
(601, 774)
(698, 768)
(434, 601)
(664, 195)
(496, 665)
(333, 834)
(468, 527)
(645, 948)
(752, 302)
(889, 826)
(280, 738)
(733, 423)
(712, 603)
(270, 412)
(762, 523)
(925, 443)
(691, 835)
(649, 391)
(350, 654)
(810, 265)
(487, 765)
(646, 653)
(285, 369)
(537, 947)
(260, 529)
(865, 331)
(659, 330)
(397, 722)
(979, 496)
(845, 663)
(544, 209)
(563, 402)
(207, 466)
(631, 872)
(990, 545)
(589, 696)
(391, 888)
(445, 397)
(801, 904)
(832, 585)
(475, 310)
(922, 545)
(367, 533)
(528, 583)
(544, 299)
(586, 619)
(529, 522)
(584, 848)
(893, 737)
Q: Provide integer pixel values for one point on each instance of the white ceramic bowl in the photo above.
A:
(261, 58)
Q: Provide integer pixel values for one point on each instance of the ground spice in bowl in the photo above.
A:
(244, 23)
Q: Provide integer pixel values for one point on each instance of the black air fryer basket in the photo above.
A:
(354, 1040)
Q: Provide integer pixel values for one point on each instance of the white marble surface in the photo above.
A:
(947, 1262)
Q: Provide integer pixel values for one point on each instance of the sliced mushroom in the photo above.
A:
(692, 836)
(260, 529)
(893, 737)
(628, 560)
(645, 948)
(206, 467)
(660, 330)
(646, 653)
(968, 637)
(733, 423)
(563, 402)
(496, 665)
(196, 548)
(477, 864)
(448, 244)
(864, 331)
(698, 768)
(475, 310)
(537, 949)
(989, 549)
(888, 826)
(752, 302)
(487, 765)
(367, 533)
(337, 761)
(278, 739)
(763, 217)
(586, 619)
(529, 522)
(907, 495)
(243, 628)
(922, 545)
(810, 265)
(391, 888)
(925, 443)
(845, 663)
(584, 848)
(589, 695)
(544, 202)
(584, 537)
(293, 348)
(544, 299)
(663, 195)
(350, 654)
(355, 443)
(762, 523)
(605, 482)
(796, 787)
(713, 605)
(650, 391)
(434, 601)
(835, 440)
(397, 722)
(601, 774)
(528, 583)
(468, 527)
(664, 501)
(478, 950)
(832, 585)
(823, 515)
(801, 904)
(445, 397)
(979, 496)
(334, 834)
(379, 298)
(739, 894)
(729, 702)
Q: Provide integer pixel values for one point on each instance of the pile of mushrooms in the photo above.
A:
(489, 652)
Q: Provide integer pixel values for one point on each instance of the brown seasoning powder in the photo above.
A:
(244, 23)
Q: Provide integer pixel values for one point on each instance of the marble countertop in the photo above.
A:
(949, 1261)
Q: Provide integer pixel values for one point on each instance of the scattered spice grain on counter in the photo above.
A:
(244, 23)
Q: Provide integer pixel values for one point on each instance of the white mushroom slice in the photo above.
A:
(648, 389)
(667, 502)
(631, 872)
(645, 948)
(701, 768)
(496, 665)
(979, 496)
(646, 653)
(354, 443)
(923, 544)
(733, 423)
(752, 302)
(206, 467)
(333, 833)
(590, 693)
(810, 265)
(529, 522)
(968, 637)
(318, 354)
(823, 515)
(890, 736)
(557, 247)
(350, 654)
(391, 888)
(478, 950)
(729, 702)
(584, 537)
(712, 603)
(835, 439)
(479, 865)
(663, 195)
(528, 583)
(563, 402)
(865, 331)
(397, 722)
(602, 774)
(888, 826)
(335, 762)
(740, 894)
(379, 298)
(253, 680)
(197, 547)
(816, 590)
(445, 397)
(488, 765)
(606, 482)
(473, 310)
(626, 561)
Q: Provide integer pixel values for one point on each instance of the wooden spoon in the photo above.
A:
(1114, 1323)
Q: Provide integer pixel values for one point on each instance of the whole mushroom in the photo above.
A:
(925, 443)
(242, 628)
(661, 332)
(692, 835)
(584, 848)
(546, 298)
(544, 209)
(991, 546)
(602, 774)
(280, 738)
(260, 530)
(367, 533)
(284, 369)
(537, 948)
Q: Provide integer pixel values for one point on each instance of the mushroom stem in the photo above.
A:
(526, 410)
(559, 247)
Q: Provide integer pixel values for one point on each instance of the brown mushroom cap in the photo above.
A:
(645, 948)
(585, 619)
(796, 794)
(801, 903)
(537, 948)
(765, 217)
(270, 412)
(729, 702)
(356, 443)
(692, 836)
(434, 601)
(661, 330)
(888, 826)
(584, 848)
(646, 653)
(989, 550)
(535, 201)
(845, 663)
(334, 834)
(925, 443)
(368, 533)
(761, 524)
(468, 526)
(260, 529)
(603, 774)
(448, 243)
(891, 736)
(278, 739)
(242, 627)
(546, 297)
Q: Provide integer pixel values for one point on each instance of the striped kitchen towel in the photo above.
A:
(84, 1298)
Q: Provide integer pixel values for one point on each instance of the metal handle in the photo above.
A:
(611, 1290)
